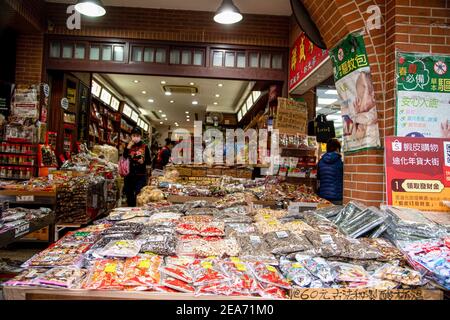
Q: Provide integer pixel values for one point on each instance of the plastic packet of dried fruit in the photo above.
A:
(142, 271)
(223, 289)
(105, 274)
(61, 277)
(346, 272)
(208, 271)
(269, 291)
(243, 282)
(179, 268)
(26, 278)
(178, 285)
(269, 274)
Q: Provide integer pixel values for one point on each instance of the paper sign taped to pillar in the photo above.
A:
(292, 116)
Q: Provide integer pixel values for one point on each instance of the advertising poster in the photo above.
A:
(356, 94)
(418, 173)
(423, 95)
(305, 57)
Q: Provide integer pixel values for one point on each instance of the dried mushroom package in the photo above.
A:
(284, 242)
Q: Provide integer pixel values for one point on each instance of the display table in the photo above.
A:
(18, 232)
(33, 293)
(182, 199)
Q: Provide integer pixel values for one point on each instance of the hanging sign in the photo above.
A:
(304, 59)
(356, 94)
(418, 172)
(423, 95)
(65, 103)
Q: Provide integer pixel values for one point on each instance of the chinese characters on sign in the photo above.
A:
(418, 172)
(356, 94)
(305, 57)
(423, 95)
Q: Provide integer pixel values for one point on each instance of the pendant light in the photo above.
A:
(91, 8)
(227, 13)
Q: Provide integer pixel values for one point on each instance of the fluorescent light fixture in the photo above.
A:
(151, 100)
(220, 85)
(193, 94)
(188, 117)
(168, 93)
(192, 83)
(215, 103)
(163, 82)
(227, 13)
(171, 101)
(90, 8)
(187, 112)
(163, 115)
(217, 95)
(160, 111)
(144, 92)
(195, 103)
(161, 122)
(136, 81)
(333, 92)
(188, 120)
(326, 102)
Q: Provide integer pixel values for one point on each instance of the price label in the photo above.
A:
(145, 264)
(111, 268)
(24, 198)
(21, 230)
(271, 269)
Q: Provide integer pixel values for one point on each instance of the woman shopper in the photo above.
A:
(139, 156)
(164, 155)
(330, 173)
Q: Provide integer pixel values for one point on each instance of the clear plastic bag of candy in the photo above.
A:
(296, 273)
(242, 281)
(284, 242)
(105, 274)
(61, 277)
(208, 271)
(179, 268)
(177, 285)
(121, 249)
(269, 291)
(318, 267)
(269, 275)
(28, 277)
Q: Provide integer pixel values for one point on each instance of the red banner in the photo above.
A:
(418, 173)
(305, 57)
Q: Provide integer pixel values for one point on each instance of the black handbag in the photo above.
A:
(321, 128)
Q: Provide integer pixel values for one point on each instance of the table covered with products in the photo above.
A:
(230, 248)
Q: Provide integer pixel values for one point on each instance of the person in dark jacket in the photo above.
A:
(164, 155)
(330, 173)
(139, 156)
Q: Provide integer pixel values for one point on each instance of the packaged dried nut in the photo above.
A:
(297, 226)
(223, 247)
(388, 251)
(121, 248)
(398, 274)
(284, 242)
(232, 229)
(327, 244)
(161, 244)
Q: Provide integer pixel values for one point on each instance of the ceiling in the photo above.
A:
(268, 7)
(230, 94)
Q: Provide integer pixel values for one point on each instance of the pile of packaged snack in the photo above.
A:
(233, 249)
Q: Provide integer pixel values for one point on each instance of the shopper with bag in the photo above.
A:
(164, 155)
(138, 156)
(330, 173)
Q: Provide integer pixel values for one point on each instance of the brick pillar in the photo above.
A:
(29, 58)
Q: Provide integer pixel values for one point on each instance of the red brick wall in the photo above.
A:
(406, 25)
(173, 25)
(29, 55)
(31, 10)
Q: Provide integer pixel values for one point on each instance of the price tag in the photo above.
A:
(111, 267)
(145, 264)
(297, 265)
(207, 264)
(24, 198)
(21, 230)
(271, 269)
(282, 234)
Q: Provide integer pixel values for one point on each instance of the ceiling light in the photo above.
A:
(333, 92)
(91, 8)
(195, 103)
(227, 13)
(164, 116)
(187, 112)
(171, 101)
(136, 81)
(193, 94)
(215, 103)
(168, 93)
(217, 95)
(163, 82)
(160, 111)
(188, 117)
(192, 83)
(188, 120)
(151, 100)
(144, 92)
(161, 122)
(220, 85)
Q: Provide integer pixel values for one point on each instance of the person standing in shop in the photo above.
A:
(330, 173)
(139, 156)
(164, 155)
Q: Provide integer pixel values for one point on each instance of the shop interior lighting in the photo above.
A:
(227, 13)
(326, 102)
(90, 8)
(331, 92)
